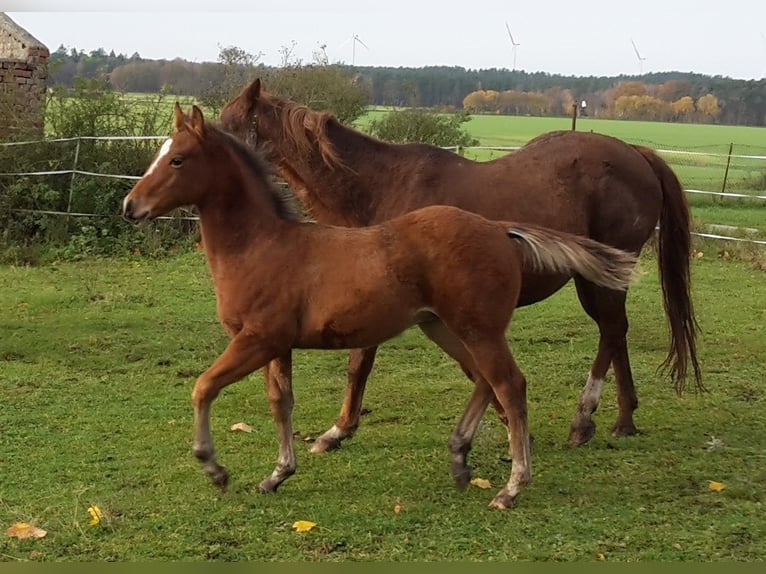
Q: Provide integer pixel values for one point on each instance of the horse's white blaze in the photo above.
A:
(160, 154)
(591, 395)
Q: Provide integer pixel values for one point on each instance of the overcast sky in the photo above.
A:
(571, 37)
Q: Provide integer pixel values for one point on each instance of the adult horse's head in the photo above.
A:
(239, 116)
(177, 174)
(281, 128)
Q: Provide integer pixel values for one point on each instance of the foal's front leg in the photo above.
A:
(246, 353)
(279, 387)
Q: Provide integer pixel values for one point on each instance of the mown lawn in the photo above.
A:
(97, 361)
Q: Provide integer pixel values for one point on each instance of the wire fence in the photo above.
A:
(717, 159)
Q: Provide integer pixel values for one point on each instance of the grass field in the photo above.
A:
(98, 359)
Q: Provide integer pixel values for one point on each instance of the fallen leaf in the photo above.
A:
(716, 486)
(699, 254)
(481, 482)
(677, 546)
(244, 427)
(601, 556)
(397, 508)
(35, 554)
(95, 515)
(22, 530)
(303, 525)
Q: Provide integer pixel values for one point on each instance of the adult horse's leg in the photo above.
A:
(607, 308)
(360, 362)
(497, 367)
(462, 438)
(279, 387)
(245, 354)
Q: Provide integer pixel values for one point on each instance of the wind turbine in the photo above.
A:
(514, 45)
(640, 58)
(354, 39)
(763, 39)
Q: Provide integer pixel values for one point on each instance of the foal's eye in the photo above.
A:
(177, 161)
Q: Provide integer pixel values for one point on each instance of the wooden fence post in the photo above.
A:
(726, 172)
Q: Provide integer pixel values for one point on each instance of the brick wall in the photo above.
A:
(23, 81)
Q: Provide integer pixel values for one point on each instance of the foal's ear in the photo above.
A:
(178, 118)
(197, 122)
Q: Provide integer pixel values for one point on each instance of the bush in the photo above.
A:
(417, 125)
(31, 207)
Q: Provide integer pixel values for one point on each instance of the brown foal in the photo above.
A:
(278, 286)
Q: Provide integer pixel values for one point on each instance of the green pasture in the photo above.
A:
(97, 363)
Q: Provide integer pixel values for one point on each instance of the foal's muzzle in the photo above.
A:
(131, 213)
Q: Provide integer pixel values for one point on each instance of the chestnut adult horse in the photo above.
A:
(583, 183)
(278, 286)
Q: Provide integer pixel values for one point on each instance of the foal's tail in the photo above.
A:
(558, 252)
(674, 253)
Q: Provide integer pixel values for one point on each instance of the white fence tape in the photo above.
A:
(73, 172)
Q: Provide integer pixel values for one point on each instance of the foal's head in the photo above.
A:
(181, 171)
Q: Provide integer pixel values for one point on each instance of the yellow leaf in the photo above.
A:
(95, 515)
(601, 556)
(23, 530)
(397, 508)
(716, 486)
(481, 482)
(244, 427)
(303, 525)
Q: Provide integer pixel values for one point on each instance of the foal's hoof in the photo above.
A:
(462, 475)
(581, 432)
(220, 478)
(325, 444)
(502, 501)
(268, 486)
(624, 429)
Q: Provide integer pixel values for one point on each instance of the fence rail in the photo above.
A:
(458, 149)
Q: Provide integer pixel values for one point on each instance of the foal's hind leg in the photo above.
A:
(607, 308)
(462, 438)
(279, 388)
(244, 355)
(360, 362)
(496, 365)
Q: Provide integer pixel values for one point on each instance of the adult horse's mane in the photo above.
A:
(286, 204)
(300, 121)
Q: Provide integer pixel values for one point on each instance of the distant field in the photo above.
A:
(703, 172)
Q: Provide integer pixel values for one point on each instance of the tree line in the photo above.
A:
(666, 96)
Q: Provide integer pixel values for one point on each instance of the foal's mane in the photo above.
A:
(286, 204)
(300, 121)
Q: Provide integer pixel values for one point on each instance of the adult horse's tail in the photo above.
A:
(674, 254)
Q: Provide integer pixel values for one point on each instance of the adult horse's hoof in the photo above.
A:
(624, 429)
(582, 431)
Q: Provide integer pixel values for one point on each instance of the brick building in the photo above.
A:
(23, 81)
